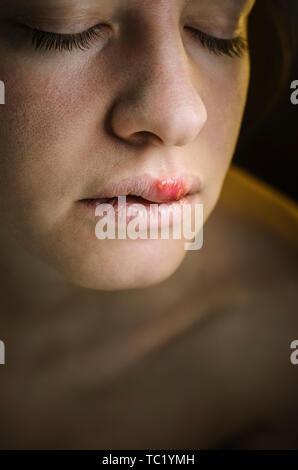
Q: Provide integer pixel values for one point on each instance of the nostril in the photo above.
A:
(145, 137)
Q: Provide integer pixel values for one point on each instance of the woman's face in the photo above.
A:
(148, 91)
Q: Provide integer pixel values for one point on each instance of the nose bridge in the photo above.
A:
(162, 97)
(165, 74)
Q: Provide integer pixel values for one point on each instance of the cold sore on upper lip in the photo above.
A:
(161, 189)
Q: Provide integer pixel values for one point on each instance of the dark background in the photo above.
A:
(271, 151)
(268, 144)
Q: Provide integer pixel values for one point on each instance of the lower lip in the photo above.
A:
(169, 209)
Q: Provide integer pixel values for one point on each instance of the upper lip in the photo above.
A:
(155, 189)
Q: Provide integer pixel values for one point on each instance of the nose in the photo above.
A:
(159, 102)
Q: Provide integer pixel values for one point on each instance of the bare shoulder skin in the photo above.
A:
(244, 342)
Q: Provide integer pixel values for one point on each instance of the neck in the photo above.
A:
(45, 316)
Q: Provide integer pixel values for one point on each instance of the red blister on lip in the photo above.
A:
(171, 189)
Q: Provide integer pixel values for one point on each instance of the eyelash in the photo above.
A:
(48, 41)
(235, 47)
(54, 41)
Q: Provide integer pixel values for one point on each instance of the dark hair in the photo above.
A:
(273, 43)
(270, 121)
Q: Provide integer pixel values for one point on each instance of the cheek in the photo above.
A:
(225, 96)
(225, 92)
(48, 129)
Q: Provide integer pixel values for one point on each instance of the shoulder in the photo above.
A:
(253, 232)
(249, 198)
(243, 343)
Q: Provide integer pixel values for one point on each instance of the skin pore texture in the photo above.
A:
(146, 97)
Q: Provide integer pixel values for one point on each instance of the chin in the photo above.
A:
(133, 264)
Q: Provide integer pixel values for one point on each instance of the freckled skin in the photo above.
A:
(151, 101)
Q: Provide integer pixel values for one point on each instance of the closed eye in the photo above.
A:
(55, 41)
(48, 41)
(234, 47)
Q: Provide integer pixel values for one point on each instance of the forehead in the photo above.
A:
(86, 4)
(238, 6)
